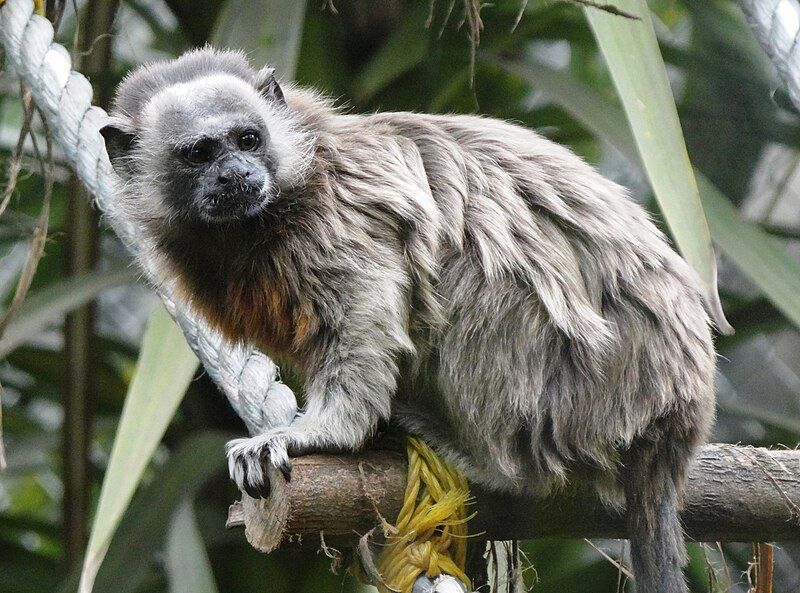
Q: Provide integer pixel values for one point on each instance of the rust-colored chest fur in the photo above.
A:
(257, 313)
(246, 296)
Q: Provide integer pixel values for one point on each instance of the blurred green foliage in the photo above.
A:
(396, 55)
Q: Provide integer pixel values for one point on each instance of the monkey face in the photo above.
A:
(210, 149)
(222, 172)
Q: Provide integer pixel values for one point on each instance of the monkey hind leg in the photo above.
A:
(653, 478)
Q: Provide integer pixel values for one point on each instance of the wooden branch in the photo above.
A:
(733, 494)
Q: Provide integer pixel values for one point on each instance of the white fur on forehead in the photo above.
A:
(289, 144)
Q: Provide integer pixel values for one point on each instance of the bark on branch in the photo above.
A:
(734, 494)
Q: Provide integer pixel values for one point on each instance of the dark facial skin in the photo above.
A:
(221, 170)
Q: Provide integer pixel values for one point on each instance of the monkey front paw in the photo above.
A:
(247, 458)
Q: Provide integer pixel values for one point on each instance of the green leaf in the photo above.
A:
(144, 527)
(165, 368)
(786, 422)
(759, 256)
(269, 31)
(637, 68)
(405, 48)
(188, 567)
(46, 366)
(595, 112)
(49, 305)
(22, 570)
(171, 39)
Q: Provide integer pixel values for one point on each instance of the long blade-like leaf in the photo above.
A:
(145, 524)
(634, 60)
(50, 304)
(163, 372)
(269, 30)
(759, 256)
(188, 567)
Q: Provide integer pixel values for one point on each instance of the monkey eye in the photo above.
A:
(249, 140)
(200, 152)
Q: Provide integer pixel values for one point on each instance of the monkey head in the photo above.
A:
(202, 143)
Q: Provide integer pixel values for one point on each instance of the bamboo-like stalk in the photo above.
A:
(79, 351)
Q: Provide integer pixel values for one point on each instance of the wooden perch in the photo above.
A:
(734, 494)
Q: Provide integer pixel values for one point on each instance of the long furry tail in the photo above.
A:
(654, 475)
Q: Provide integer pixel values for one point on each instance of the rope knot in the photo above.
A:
(430, 534)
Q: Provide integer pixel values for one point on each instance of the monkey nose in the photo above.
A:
(230, 175)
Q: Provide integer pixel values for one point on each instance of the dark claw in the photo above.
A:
(255, 489)
(262, 490)
(286, 470)
(253, 492)
(258, 488)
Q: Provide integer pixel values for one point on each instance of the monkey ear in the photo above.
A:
(267, 85)
(119, 135)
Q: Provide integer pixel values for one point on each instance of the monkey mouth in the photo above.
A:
(235, 205)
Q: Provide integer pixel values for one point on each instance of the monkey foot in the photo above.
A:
(247, 457)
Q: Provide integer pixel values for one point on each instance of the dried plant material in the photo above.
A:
(764, 564)
(610, 8)
(508, 566)
(15, 163)
(472, 16)
(14, 168)
(39, 231)
(431, 10)
(728, 580)
(760, 569)
(39, 236)
(617, 563)
(711, 572)
(605, 7)
(622, 579)
(520, 14)
(367, 562)
(446, 19)
(336, 557)
(527, 567)
(752, 571)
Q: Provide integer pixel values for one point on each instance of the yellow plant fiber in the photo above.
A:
(430, 535)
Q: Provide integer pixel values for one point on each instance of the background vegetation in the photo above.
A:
(67, 364)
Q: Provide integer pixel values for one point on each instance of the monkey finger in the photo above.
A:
(279, 457)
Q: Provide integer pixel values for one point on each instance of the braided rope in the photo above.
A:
(247, 377)
(776, 25)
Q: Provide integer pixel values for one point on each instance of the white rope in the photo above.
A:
(245, 375)
(776, 24)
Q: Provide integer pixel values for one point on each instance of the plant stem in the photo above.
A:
(79, 353)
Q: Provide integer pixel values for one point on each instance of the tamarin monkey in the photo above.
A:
(464, 277)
